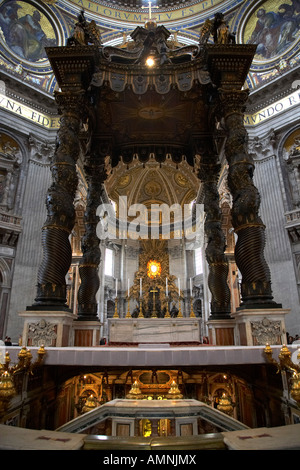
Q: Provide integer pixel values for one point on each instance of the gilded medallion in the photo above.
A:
(181, 180)
(152, 188)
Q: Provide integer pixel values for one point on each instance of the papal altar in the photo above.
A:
(154, 330)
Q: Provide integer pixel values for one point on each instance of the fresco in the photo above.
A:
(274, 27)
(25, 30)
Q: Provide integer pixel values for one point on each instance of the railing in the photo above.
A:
(214, 441)
(10, 219)
(160, 409)
(292, 218)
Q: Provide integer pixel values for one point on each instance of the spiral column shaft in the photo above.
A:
(216, 244)
(91, 255)
(57, 253)
(249, 251)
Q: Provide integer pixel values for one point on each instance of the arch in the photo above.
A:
(289, 171)
(285, 136)
(5, 288)
(5, 273)
(15, 137)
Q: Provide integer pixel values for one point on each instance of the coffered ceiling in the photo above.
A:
(152, 182)
(153, 123)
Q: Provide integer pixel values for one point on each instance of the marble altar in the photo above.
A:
(154, 330)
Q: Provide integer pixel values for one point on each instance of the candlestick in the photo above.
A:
(191, 285)
(116, 287)
(128, 287)
(128, 309)
(192, 314)
(141, 311)
(116, 309)
(179, 302)
(167, 315)
(166, 286)
(179, 310)
(140, 287)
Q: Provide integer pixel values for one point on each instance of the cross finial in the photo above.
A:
(150, 9)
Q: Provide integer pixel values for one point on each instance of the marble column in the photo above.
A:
(91, 254)
(57, 253)
(216, 244)
(249, 251)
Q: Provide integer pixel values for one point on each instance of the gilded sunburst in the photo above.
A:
(153, 269)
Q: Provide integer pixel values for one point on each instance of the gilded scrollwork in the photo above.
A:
(154, 250)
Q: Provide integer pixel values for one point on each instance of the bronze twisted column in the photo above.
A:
(91, 255)
(216, 244)
(73, 68)
(57, 253)
(249, 251)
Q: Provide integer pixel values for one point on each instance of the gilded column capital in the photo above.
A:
(233, 101)
(96, 173)
(209, 172)
(70, 102)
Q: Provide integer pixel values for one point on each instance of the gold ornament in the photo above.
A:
(7, 389)
(90, 404)
(153, 269)
(286, 364)
(154, 253)
(135, 392)
(225, 404)
(174, 392)
(24, 366)
(295, 388)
